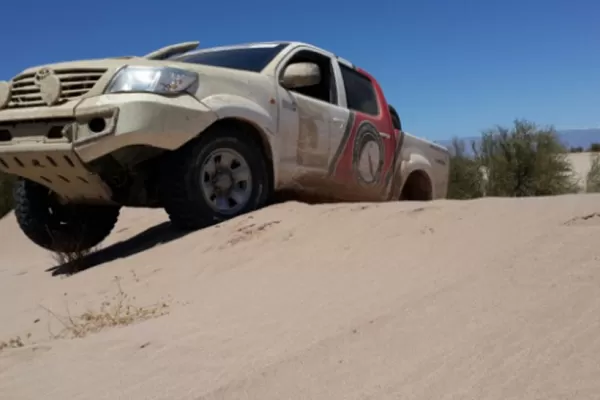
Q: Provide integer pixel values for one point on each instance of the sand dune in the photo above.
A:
(486, 299)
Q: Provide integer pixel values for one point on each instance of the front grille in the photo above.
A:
(74, 83)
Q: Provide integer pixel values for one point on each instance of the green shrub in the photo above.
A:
(594, 147)
(593, 176)
(465, 178)
(522, 161)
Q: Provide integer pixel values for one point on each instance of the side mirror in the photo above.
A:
(301, 75)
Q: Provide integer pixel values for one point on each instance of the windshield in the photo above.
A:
(249, 58)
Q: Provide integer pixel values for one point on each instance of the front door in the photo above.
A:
(309, 115)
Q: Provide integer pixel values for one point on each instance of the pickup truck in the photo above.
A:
(205, 133)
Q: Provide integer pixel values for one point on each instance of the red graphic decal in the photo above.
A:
(367, 152)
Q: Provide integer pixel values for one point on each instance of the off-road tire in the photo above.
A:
(180, 188)
(64, 228)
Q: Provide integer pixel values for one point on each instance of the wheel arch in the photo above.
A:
(418, 186)
(253, 118)
(258, 136)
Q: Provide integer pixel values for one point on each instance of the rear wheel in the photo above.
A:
(221, 175)
(65, 228)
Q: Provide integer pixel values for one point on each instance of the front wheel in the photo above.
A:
(221, 175)
(65, 228)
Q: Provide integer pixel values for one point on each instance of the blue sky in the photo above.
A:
(451, 67)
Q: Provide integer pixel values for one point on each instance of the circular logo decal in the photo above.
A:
(49, 85)
(367, 159)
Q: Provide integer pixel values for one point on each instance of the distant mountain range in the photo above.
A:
(570, 138)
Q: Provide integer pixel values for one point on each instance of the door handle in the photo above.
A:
(339, 122)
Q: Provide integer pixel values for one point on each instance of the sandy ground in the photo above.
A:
(486, 299)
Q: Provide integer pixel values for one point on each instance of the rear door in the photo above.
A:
(364, 155)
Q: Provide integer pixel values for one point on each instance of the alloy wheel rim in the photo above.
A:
(226, 181)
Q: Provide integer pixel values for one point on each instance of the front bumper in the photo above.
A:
(52, 145)
(137, 119)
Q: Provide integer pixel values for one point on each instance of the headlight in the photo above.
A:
(160, 80)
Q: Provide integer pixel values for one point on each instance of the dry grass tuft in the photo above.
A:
(117, 312)
(74, 261)
(13, 343)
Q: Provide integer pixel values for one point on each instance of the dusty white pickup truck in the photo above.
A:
(207, 134)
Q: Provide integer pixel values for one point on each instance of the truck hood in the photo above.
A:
(215, 80)
(115, 63)
(94, 63)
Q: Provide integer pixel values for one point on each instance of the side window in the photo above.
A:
(360, 92)
(326, 89)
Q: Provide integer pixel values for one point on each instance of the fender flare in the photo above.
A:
(416, 162)
(229, 106)
(234, 106)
